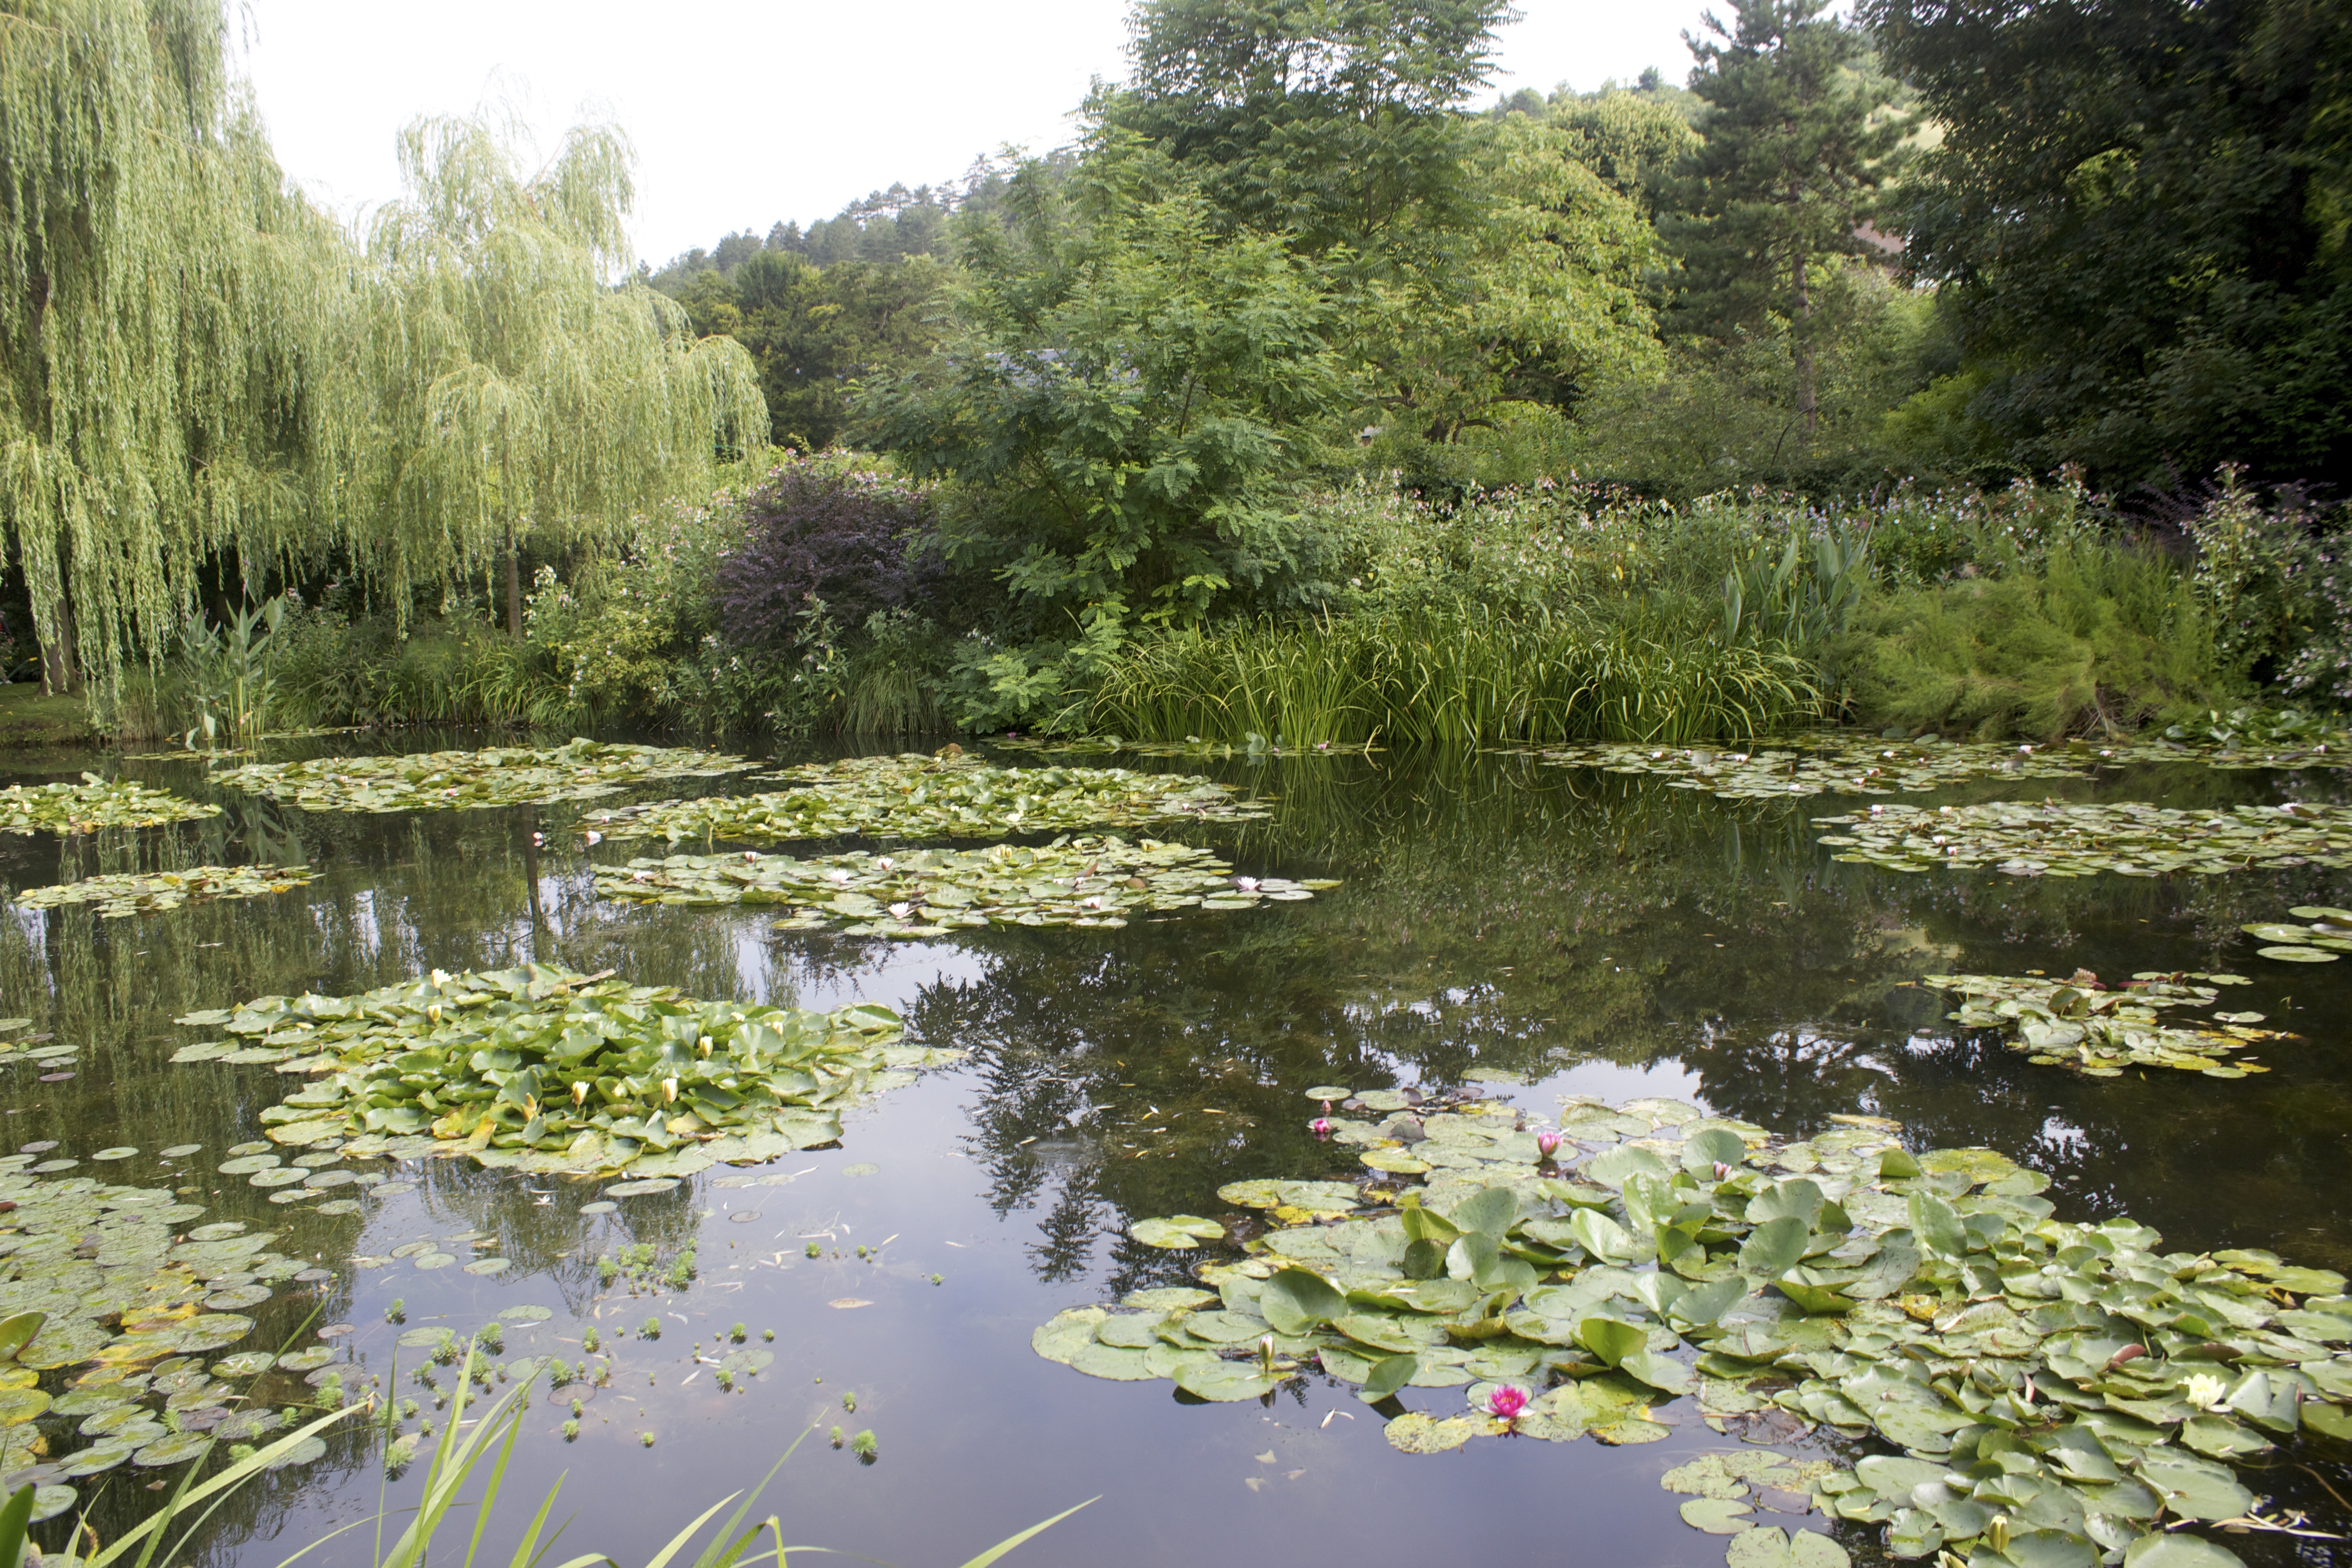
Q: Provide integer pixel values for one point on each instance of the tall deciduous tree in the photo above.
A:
(1799, 139)
(1336, 121)
(2142, 213)
(175, 325)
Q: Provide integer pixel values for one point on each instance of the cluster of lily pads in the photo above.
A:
(950, 796)
(1251, 745)
(543, 1069)
(2020, 840)
(113, 1307)
(119, 894)
(93, 803)
(2077, 1022)
(1829, 763)
(499, 775)
(2328, 935)
(37, 1049)
(2047, 1392)
(929, 892)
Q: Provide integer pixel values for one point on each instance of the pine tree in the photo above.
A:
(1799, 141)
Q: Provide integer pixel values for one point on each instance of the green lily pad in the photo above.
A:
(173, 1448)
(310, 1360)
(526, 1314)
(488, 1265)
(1716, 1516)
(1178, 1232)
(305, 1452)
(2297, 955)
(642, 1189)
(116, 1153)
(244, 1364)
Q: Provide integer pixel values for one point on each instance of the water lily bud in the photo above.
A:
(705, 1046)
(1547, 1145)
(593, 839)
(669, 1090)
(434, 1011)
(579, 1094)
(1265, 1356)
(1320, 1127)
(1997, 1533)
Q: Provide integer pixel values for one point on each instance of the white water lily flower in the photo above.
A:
(901, 911)
(1096, 902)
(885, 862)
(2206, 1390)
(749, 856)
(1246, 884)
(839, 875)
(440, 977)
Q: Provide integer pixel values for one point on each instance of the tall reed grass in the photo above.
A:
(1460, 674)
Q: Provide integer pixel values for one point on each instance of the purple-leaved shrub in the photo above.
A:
(856, 540)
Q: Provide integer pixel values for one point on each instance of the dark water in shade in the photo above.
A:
(1559, 931)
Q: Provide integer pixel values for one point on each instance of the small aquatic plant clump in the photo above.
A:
(2329, 936)
(2056, 1391)
(499, 775)
(544, 1069)
(2078, 1023)
(93, 803)
(1088, 882)
(950, 796)
(117, 895)
(2018, 839)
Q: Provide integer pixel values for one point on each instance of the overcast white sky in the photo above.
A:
(746, 111)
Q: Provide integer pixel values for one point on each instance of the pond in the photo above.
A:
(1500, 925)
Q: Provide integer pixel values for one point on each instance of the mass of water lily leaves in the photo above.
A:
(1837, 763)
(152, 893)
(929, 893)
(950, 796)
(2046, 1392)
(93, 803)
(499, 775)
(1251, 745)
(112, 1306)
(543, 1069)
(2076, 1022)
(2328, 935)
(1829, 763)
(2020, 840)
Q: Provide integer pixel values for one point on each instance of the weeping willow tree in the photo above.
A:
(196, 361)
(528, 387)
(174, 325)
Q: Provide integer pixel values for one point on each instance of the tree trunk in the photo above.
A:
(514, 586)
(58, 675)
(1807, 403)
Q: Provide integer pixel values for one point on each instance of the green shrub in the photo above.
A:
(2102, 638)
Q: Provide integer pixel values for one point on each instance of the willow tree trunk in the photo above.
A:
(59, 675)
(514, 586)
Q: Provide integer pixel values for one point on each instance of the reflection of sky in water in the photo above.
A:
(1543, 934)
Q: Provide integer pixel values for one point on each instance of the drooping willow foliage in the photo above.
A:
(521, 391)
(195, 358)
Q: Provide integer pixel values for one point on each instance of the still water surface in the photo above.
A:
(1540, 931)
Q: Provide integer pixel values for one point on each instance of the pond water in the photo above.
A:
(1532, 930)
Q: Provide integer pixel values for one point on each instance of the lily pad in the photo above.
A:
(1178, 1232)
(2050, 839)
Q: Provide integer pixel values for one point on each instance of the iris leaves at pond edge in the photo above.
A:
(950, 796)
(93, 803)
(2080, 1023)
(929, 892)
(147, 894)
(2019, 839)
(499, 775)
(543, 1069)
(2055, 1391)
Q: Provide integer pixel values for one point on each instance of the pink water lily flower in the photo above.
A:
(1320, 1127)
(1547, 1145)
(1506, 1403)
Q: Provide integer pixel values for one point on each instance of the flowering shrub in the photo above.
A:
(2276, 585)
